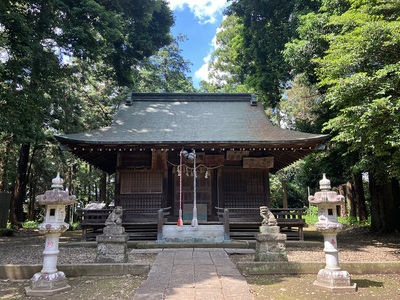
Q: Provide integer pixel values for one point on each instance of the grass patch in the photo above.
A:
(311, 217)
(30, 225)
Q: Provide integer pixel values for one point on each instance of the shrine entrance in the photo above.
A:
(203, 194)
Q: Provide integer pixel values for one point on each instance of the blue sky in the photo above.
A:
(199, 20)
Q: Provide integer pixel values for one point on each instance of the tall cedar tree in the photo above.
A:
(267, 26)
(39, 38)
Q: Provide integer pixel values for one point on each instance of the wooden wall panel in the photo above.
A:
(243, 188)
(141, 182)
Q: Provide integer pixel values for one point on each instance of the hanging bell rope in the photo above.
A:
(180, 220)
(194, 219)
(189, 156)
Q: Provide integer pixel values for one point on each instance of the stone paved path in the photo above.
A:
(193, 273)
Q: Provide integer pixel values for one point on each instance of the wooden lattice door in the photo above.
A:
(203, 191)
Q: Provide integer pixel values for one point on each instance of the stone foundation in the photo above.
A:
(189, 234)
(335, 281)
(47, 284)
(270, 244)
(112, 248)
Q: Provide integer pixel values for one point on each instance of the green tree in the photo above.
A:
(165, 71)
(302, 107)
(225, 71)
(360, 73)
(266, 26)
(310, 42)
(47, 45)
(301, 54)
(286, 190)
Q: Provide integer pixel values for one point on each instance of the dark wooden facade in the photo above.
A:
(142, 182)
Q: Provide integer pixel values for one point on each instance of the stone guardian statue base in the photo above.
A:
(112, 244)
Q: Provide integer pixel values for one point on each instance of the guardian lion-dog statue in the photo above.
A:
(268, 217)
(115, 217)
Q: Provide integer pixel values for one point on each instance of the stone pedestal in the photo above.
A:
(49, 281)
(270, 244)
(333, 278)
(338, 281)
(47, 284)
(112, 245)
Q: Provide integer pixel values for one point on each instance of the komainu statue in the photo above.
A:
(268, 217)
(115, 217)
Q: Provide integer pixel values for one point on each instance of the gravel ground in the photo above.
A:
(355, 245)
(26, 248)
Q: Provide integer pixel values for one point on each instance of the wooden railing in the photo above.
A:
(93, 220)
(147, 223)
(290, 220)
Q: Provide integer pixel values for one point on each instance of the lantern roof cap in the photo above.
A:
(57, 182)
(324, 183)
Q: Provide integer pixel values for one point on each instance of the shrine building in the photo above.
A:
(235, 144)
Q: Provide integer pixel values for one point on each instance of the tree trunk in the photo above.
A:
(376, 222)
(32, 202)
(384, 206)
(3, 149)
(351, 198)
(70, 175)
(361, 206)
(396, 201)
(19, 193)
(389, 207)
(4, 168)
(343, 207)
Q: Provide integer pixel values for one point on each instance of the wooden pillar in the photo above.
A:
(267, 188)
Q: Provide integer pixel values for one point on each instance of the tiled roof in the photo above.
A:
(159, 118)
(202, 121)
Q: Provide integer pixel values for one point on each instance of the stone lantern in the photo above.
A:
(332, 277)
(49, 280)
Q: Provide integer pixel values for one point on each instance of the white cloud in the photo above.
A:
(204, 10)
(202, 72)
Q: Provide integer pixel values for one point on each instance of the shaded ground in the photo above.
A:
(354, 245)
(300, 287)
(87, 287)
(264, 287)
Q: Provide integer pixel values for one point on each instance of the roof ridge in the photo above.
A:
(191, 97)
